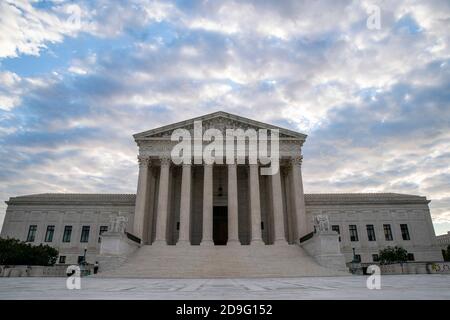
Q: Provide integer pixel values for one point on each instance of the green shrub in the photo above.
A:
(16, 252)
(446, 254)
(391, 255)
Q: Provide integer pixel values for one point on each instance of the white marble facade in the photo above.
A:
(200, 204)
(65, 210)
(443, 240)
(406, 216)
(209, 204)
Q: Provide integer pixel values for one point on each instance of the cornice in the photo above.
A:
(129, 199)
(73, 199)
(363, 198)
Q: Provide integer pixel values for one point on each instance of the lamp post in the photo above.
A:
(84, 256)
(354, 264)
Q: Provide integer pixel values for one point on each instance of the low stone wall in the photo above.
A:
(416, 268)
(439, 267)
(38, 271)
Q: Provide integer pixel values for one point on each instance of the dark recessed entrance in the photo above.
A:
(220, 225)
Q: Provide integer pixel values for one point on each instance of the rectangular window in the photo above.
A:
(405, 232)
(371, 232)
(375, 258)
(67, 233)
(85, 234)
(262, 225)
(31, 233)
(178, 225)
(336, 228)
(102, 230)
(49, 233)
(357, 258)
(410, 257)
(353, 233)
(387, 232)
(62, 259)
(80, 259)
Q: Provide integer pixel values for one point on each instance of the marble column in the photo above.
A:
(141, 198)
(255, 205)
(163, 198)
(298, 197)
(207, 235)
(185, 206)
(278, 215)
(233, 220)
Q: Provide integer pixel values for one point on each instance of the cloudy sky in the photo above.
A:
(78, 78)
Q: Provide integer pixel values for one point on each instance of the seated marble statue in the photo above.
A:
(321, 223)
(118, 223)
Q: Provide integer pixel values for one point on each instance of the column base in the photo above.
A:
(207, 243)
(159, 243)
(183, 243)
(257, 242)
(233, 243)
(280, 242)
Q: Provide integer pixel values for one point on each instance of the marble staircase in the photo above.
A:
(160, 261)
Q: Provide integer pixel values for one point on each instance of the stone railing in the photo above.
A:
(306, 237)
(132, 237)
(325, 249)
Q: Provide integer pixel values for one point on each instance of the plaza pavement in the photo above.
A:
(346, 287)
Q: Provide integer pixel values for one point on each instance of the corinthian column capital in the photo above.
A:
(165, 161)
(296, 161)
(143, 161)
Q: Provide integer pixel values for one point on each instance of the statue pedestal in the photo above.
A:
(325, 249)
(115, 248)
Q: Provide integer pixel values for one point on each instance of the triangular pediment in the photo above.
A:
(219, 120)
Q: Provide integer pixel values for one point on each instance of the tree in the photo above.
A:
(16, 252)
(391, 255)
(446, 253)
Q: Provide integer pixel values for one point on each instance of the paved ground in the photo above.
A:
(348, 287)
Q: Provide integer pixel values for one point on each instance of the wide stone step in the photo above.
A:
(219, 261)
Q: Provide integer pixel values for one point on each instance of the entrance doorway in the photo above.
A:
(220, 226)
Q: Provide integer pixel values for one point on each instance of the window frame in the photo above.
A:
(388, 232)
(85, 231)
(371, 236)
(353, 233)
(31, 235)
(405, 232)
(67, 234)
(49, 232)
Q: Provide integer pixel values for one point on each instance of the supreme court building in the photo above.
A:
(196, 218)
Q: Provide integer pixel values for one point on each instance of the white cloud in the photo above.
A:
(9, 90)
(25, 29)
